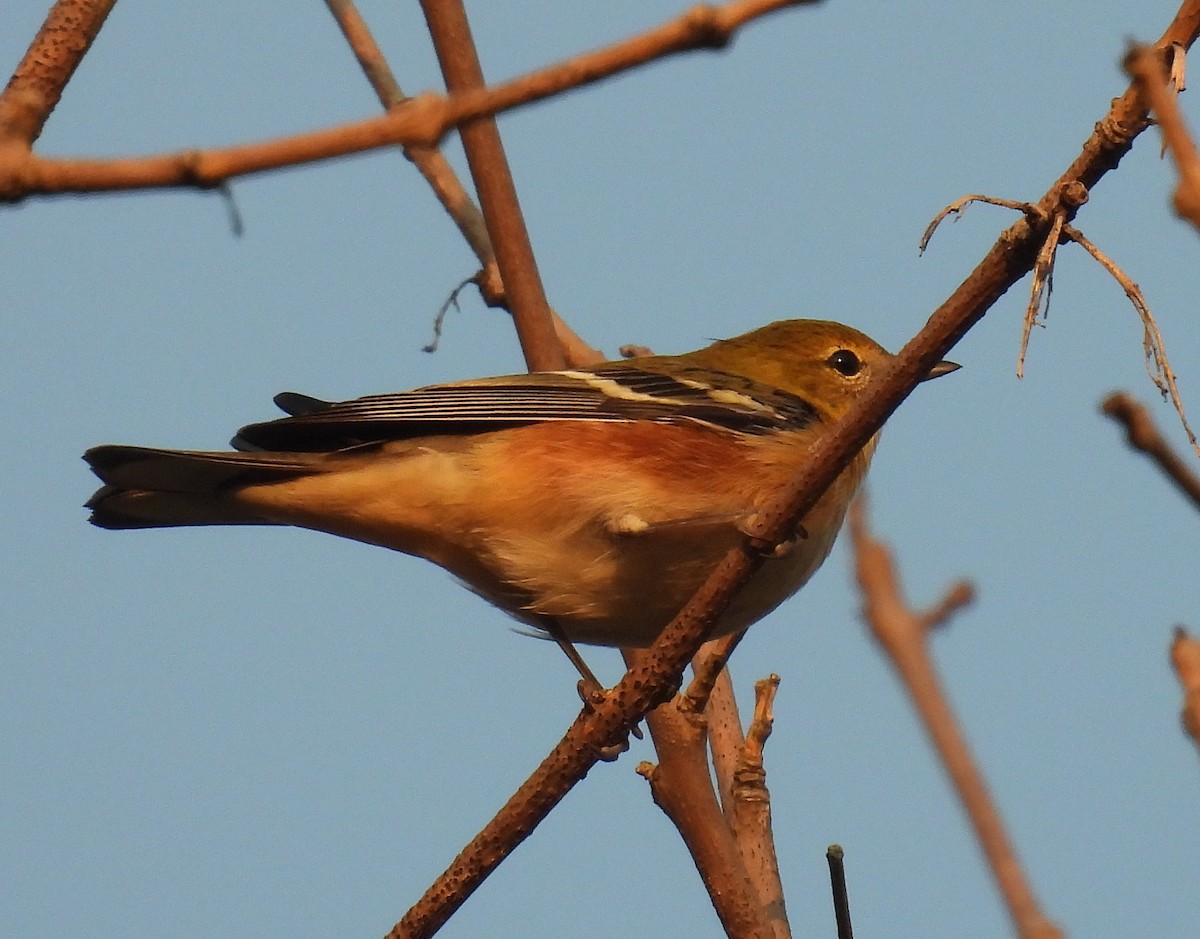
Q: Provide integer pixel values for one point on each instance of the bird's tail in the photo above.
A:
(150, 488)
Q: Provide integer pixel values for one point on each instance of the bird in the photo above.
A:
(588, 503)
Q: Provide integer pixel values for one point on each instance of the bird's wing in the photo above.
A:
(615, 392)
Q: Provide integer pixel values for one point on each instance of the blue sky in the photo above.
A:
(269, 733)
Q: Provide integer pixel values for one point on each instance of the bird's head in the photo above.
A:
(826, 363)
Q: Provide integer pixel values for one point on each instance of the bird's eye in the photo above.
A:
(845, 362)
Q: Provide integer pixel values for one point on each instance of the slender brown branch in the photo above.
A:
(682, 788)
(37, 85)
(1148, 69)
(841, 898)
(651, 681)
(451, 34)
(422, 120)
(1142, 434)
(706, 669)
(429, 161)
(903, 635)
(366, 50)
(1185, 657)
(725, 736)
(752, 810)
(437, 171)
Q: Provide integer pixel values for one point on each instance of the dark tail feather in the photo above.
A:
(148, 488)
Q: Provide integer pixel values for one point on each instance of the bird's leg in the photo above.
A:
(590, 689)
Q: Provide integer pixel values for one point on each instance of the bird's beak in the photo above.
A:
(942, 368)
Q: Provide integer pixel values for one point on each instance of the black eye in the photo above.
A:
(845, 362)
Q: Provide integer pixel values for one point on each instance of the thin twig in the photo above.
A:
(752, 810)
(841, 897)
(1041, 285)
(440, 175)
(1154, 348)
(1074, 195)
(451, 34)
(1143, 435)
(1146, 66)
(903, 635)
(958, 206)
(709, 663)
(1185, 657)
(429, 161)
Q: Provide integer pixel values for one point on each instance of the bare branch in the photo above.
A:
(37, 85)
(1143, 435)
(429, 161)
(1147, 67)
(725, 736)
(422, 120)
(903, 635)
(1185, 657)
(682, 788)
(752, 810)
(451, 33)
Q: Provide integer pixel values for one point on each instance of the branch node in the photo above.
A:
(704, 24)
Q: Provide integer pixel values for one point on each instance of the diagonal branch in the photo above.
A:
(37, 85)
(451, 34)
(1185, 657)
(429, 161)
(903, 634)
(1146, 67)
(437, 171)
(1143, 435)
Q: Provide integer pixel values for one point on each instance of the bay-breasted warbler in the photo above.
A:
(591, 502)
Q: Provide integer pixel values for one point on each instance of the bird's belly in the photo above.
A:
(623, 590)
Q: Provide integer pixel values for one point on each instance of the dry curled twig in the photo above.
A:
(1074, 195)
(959, 206)
(1158, 366)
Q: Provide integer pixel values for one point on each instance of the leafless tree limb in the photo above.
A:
(451, 34)
(903, 635)
(1185, 657)
(37, 85)
(1143, 435)
(420, 121)
(1155, 76)
(436, 171)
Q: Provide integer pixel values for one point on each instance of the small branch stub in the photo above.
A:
(841, 897)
